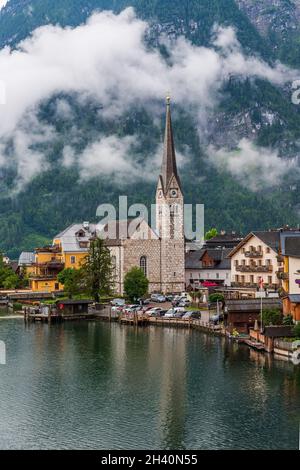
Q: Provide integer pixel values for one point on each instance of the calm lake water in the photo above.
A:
(95, 385)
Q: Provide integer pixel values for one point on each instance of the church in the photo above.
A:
(159, 252)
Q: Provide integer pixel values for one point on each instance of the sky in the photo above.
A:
(106, 60)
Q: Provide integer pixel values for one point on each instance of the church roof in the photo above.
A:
(169, 166)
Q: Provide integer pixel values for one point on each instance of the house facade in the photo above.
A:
(289, 273)
(210, 265)
(256, 258)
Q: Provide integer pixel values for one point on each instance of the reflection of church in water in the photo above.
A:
(160, 252)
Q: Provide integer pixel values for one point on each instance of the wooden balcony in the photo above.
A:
(253, 254)
(254, 269)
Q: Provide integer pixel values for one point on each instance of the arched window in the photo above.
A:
(143, 265)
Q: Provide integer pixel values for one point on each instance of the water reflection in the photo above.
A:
(94, 385)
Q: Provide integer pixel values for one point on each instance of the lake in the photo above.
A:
(93, 385)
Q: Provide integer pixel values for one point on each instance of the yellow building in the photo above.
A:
(290, 273)
(68, 250)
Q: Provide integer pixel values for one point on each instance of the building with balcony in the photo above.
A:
(289, 273)
(255, 258)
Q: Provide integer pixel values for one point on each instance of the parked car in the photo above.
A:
(118, 302)
(192, 315)
(154, 297)
(171, 313)
(184, 303)
(153, 312)
(144, 301)
(170, 298)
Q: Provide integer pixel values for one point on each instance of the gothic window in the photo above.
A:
(143, 264)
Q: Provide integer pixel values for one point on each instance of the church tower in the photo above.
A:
(169, 216)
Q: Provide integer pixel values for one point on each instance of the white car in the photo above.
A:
(173, 311)
(153, 311)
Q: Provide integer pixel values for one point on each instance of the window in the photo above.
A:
(270, 279)
(56, 287)
(217, 275)
(73, 259)
(143, 264)
(268, 250)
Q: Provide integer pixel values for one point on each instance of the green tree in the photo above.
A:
(272, 317)
(8, 278)
(72, 280)
(135, 284)
(296, 330)
(98, 270)
(216, 297)
(288, 320)
(213, 232)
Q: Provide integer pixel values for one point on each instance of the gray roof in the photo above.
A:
(270, 238)
(192, 259)
(252, 305)
(220, 257)
(77, 234)
(280, 331)
(295, 298)
(292, 246)
(70, 240)
(26, 257)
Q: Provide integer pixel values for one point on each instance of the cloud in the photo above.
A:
(107, 60)
(3, 3)
(254, 167)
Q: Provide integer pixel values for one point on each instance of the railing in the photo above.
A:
(254, 254)
(248, 268)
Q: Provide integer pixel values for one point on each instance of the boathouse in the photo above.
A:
(73, 307)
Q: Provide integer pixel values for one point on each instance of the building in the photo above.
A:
(256, 258)
(208, 265)
(289, 273)
(159, 252)
(241, 315)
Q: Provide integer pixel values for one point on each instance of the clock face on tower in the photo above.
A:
(173, 193)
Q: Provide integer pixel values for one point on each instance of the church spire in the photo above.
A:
(169, 167)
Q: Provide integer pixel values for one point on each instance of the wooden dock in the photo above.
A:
(56, 317)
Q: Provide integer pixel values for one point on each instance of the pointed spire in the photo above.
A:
(169, 167)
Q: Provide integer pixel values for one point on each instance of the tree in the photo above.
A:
(8, 278)
(296, 330)
(213, 232)
(98, 270)
(216, 297)
(135, 284)
(272, 317)
(72, 280)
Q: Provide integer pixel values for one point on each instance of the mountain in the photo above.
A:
(252, 109)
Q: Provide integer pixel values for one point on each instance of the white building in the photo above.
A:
(256, 257)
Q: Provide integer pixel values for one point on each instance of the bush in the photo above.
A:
(288, 320)
(296, 330)
(17, 307)
(216, 297)
(272, 317)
